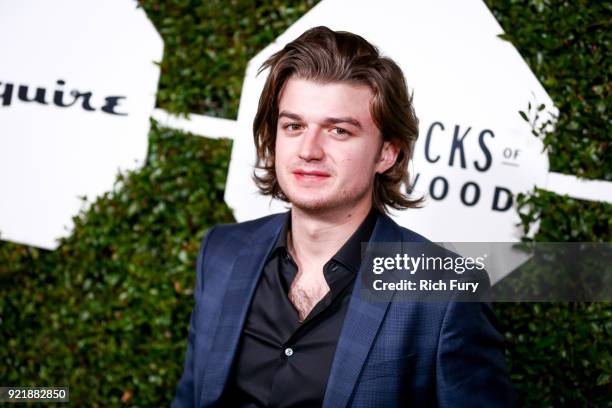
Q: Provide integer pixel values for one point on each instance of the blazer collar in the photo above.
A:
(239, 289)
(361, 324)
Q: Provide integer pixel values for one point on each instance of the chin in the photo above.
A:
(311, 204)
(308, 202)
(316, 203)
(313, 200)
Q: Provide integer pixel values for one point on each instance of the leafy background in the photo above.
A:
(106, 314)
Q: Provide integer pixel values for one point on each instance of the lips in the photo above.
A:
(311, 173)
(314, 175)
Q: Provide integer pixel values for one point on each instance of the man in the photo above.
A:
(278, 318)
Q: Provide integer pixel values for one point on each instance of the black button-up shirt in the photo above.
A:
(281, 362)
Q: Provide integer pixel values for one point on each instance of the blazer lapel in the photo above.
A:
(239, 291)
(360, 327)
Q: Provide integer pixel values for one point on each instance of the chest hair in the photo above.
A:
(307, 289)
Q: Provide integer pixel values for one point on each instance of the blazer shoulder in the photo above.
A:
(247, 228)
(223, 242)
(442, 250)
(407, 235)
(411, 236)
(226, 237)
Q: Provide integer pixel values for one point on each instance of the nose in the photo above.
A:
(311, 148)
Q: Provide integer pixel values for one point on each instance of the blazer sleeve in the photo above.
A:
(470, 366)
(185, 396)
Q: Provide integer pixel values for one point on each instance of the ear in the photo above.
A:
(388, 156)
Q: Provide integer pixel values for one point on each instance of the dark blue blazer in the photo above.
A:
(445, 354)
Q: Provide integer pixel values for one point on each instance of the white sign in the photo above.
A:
(77, 88)
(474, 152)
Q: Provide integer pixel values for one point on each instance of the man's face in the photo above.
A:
(328, 148)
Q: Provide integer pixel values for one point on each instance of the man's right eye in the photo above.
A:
(292, 127)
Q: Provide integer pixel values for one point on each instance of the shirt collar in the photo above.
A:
(349, 254)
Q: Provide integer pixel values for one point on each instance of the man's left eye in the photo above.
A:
(340, 131)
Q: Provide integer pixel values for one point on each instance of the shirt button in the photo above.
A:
(288, 351)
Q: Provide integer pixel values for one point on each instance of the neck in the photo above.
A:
(317, 235)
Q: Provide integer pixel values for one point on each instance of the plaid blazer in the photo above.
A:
(388, 354)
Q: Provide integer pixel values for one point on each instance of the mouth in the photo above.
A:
(311, 175)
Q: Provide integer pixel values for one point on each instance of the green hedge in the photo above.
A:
(560, 354)
(207, 47)
(107, 313)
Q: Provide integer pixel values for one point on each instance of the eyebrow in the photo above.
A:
(327, 121)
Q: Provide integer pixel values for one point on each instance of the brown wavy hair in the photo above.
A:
(325, 56)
